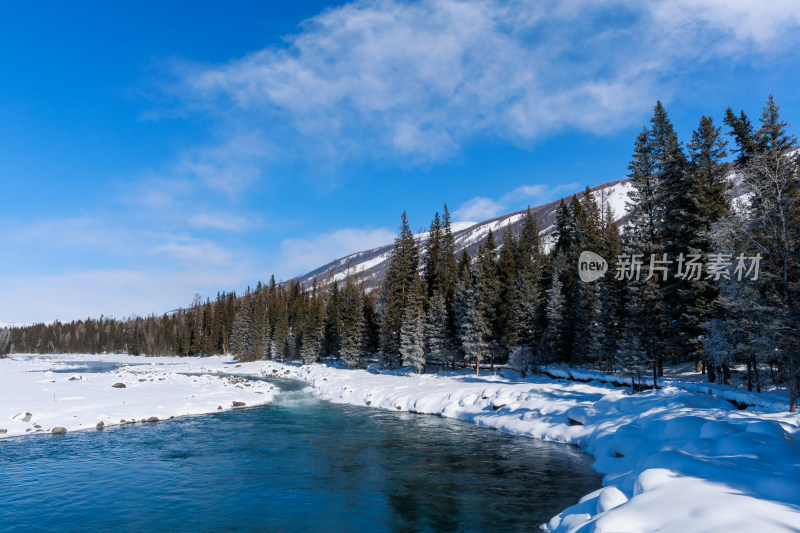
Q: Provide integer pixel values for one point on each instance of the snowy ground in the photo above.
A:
(154, 387)
(673, 460)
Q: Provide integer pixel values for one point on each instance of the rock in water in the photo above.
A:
(100, 425)
(58, 430)
(118, 385)
(3, 431)
(239, 404)
(153, 419)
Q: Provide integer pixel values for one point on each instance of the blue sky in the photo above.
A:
(150, 151)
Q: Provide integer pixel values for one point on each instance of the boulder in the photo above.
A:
(26, 418)
(100, 425)
(73, 378)
(118, 385)
(3, 431)
(153, 419)
(59, 430)
(239, 404)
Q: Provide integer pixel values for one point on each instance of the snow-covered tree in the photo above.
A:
(436, 331)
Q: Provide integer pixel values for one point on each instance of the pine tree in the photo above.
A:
(472, 330)
(553, 345)
(434, 276)
(526, 296)
(332, 341)
(314, 330)
(507, 274)
(770, 226)
(397, 286)
(436, 331)
(241, 342)
(488, 294)
(353, 325)
(412, 334)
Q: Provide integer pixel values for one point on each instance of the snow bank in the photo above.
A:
(673, 460)
(153, 387)
(725, 392)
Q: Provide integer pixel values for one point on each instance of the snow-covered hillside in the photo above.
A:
(369, 266)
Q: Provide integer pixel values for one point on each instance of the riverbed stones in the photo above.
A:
(59, 430)
(119, 385)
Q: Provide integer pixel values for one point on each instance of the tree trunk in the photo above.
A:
(726, 374)
(660, 367)
(792, 389)
(755, 371)
(711, 371)
(698, 366)
(749, 376)
(477, 367)
(655, 373)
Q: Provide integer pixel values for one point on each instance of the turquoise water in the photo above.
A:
(300, 464)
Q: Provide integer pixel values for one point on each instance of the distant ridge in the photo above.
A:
(369, 266)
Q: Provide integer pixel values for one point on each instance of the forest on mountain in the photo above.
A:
(693, 276)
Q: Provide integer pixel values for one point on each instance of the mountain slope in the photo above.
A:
(369, 266)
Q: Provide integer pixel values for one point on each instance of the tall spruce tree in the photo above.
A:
(641, 241)
(412, 334)
(398, 285)
(353, 324)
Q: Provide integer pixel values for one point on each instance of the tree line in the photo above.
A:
(516, 303)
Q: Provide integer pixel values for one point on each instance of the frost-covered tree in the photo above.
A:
(412, 334)
(473, 331)
(436, 331)
(5, 341)
(242, 340)
(768, 224)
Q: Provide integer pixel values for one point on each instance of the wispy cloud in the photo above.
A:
(194, 251)
(222, 221)
(385, 77)
(299, 256)
(480, 208)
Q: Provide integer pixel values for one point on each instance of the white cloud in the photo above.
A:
(299, 256)
(221, 221)
(419, 79)
(194, 251)
(479, 208)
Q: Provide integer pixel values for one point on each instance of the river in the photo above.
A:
(299, 464)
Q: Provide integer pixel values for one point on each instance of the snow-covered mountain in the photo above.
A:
(369, 266)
